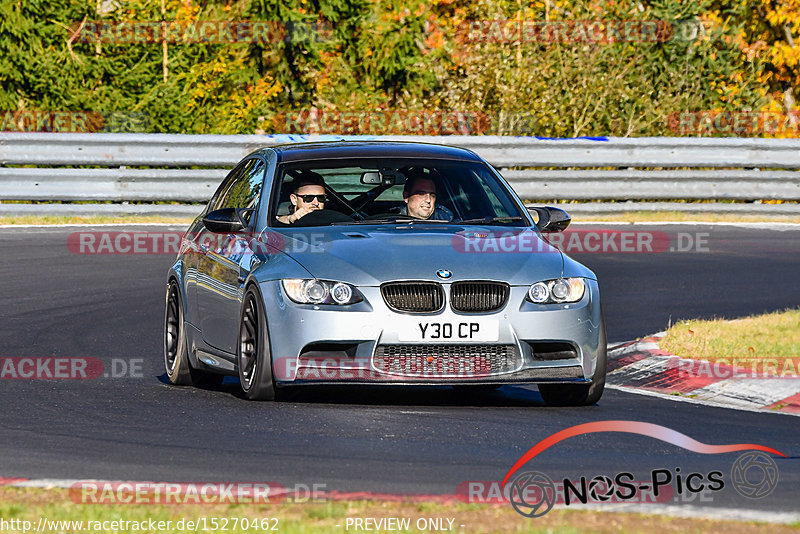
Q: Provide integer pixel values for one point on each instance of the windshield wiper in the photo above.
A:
(390, 220)
(489, 220)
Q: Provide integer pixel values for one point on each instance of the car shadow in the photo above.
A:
(396, 395)
(505, 396)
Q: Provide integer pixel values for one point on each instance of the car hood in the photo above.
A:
(369, 256)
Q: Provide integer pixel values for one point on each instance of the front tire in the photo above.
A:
(252, 352)
(581, 394)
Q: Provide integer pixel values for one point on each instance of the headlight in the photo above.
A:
(320, 292)
(558, 291)
(539, 293)
(341, 293)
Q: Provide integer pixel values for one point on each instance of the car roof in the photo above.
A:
(369, 149)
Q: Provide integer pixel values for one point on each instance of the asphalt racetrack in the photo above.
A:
(427, 440)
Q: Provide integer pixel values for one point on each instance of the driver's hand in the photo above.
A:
(305, 210)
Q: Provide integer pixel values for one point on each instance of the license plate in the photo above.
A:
(432, 331)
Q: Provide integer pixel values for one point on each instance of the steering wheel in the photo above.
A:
(322, 218)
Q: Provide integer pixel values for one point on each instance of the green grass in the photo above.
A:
(749, 339)
(323, 517)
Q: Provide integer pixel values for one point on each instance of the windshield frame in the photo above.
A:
(515, 203)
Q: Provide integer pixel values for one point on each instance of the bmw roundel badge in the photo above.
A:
(444, 274)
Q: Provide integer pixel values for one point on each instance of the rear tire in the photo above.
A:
(581, 394)
(176, 350)
(176, 354)
(252, 352)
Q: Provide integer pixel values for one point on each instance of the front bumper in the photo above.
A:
(360, 343)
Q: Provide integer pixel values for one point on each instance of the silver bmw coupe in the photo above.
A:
(380, 263)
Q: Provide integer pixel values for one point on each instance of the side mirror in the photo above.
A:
(226, 220)
(552, 219)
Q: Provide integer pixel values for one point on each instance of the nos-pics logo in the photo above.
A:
(532, 493)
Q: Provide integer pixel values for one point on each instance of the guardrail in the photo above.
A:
(70, 167)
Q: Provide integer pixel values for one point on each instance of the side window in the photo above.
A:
(225, 185)
(245, 190)
(462, 200)
(501, 204)
(497, 206)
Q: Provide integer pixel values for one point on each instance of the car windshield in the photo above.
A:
(385, 191)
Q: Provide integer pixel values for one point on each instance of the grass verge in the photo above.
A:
(679, 216)
(31, 504)
(774, 336)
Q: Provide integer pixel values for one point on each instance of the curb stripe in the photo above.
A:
(642, 365)
(789, 404)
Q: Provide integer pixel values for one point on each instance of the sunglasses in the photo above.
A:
(310, 198)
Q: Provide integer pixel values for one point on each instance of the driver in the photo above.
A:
(419, 194)
(308, 194)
